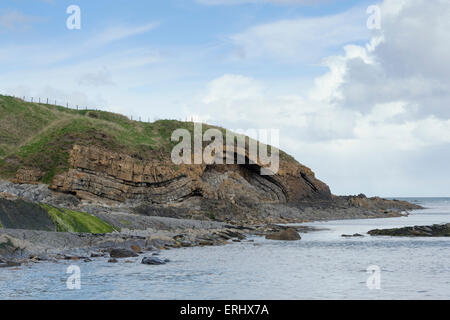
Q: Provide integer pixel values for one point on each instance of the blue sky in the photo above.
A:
(351, 103)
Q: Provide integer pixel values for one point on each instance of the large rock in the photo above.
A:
(285, 235)
(437, 230)
(152, 261)
(122, 253)
(19, 214)
(377, 203)
(9, 264)
(96, 173)
(12, 249)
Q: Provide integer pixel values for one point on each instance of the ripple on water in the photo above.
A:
(323, 265)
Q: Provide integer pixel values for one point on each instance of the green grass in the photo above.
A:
(73, 221)
(40, 136)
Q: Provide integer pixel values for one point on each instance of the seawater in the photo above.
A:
(323, 265)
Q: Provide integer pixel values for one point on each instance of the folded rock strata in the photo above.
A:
(120, 177)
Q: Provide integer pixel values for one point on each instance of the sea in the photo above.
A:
(323, 265)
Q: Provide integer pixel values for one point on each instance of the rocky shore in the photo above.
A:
(81, 183)
(38, 224)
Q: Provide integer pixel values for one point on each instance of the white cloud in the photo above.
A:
(378, 121)
(117, 33)
(232, 88)
(15, 20)
(53, 52)
(302, 39)
(98, 78)
(412, 62)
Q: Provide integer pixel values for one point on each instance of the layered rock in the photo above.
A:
(119, 177)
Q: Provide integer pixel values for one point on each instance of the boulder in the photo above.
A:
(153, 261)
(122, 253)
(284, 235)
(136, 248)
(9, 264)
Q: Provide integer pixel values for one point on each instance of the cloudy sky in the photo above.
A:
(367, 109)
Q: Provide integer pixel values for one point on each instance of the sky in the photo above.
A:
(364, 105)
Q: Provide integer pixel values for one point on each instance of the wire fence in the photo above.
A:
(78, 107)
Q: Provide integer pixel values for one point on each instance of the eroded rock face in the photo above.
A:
(20, 214)
(96, 173)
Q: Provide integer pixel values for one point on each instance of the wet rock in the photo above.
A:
(153, 261)
(9, 264)
(437, 230)
(284, 235)
(37, 258)
(185, 244)
(352, 235)
(206, 243)
(113, 260)
(136, 248)
(96, 254)
(122, 253)
(20, 214)
(74, 258)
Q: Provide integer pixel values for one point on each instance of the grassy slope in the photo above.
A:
(40, 136)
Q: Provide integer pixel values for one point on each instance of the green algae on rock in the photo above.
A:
(74, 221)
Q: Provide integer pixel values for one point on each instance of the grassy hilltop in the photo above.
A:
(37, 135)
(40, 135)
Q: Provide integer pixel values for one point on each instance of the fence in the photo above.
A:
(67, 105)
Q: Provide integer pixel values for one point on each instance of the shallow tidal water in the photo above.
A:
(323, 265)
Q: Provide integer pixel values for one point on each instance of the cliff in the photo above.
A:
(106, 158)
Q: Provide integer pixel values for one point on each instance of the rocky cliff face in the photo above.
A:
(96, 173)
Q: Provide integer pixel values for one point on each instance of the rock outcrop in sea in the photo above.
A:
(436, 230)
